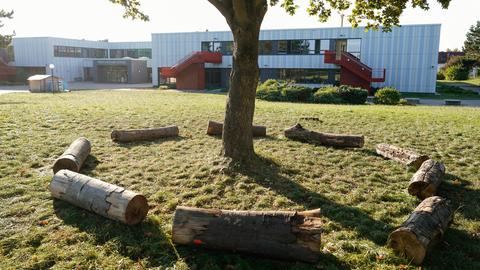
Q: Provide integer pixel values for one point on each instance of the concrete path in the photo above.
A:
(441, 102)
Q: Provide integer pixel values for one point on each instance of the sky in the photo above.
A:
(100, 19)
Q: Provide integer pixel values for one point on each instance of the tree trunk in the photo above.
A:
(298, 133)
(105, 199)
(216, 128)
(423, 229)
(74, 157)
(144, 134)
(426, 180)
(407, 157)
(282, 235)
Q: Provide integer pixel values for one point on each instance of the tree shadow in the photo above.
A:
(147, 143)
(267, 173)
(464, 199)
(13, 103)
(145, 241)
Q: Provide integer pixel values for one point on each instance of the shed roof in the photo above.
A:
(39, 77)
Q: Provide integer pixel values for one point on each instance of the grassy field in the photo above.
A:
(362, 196)
(449, 90)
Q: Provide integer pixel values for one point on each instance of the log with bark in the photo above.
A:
(144, 134)
(426, 180)
(275, 234)
(74, 157)
(423, 229)
(105, 199)
(299, 133)
(216, 128)
(407, 157)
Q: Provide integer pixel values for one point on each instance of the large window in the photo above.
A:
(282, 47)
(224, 47)
(306, 76)
(354, 47)
(78, 52)
(132, 53)
(266, 47)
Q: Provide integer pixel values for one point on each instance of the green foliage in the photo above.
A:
(328, 95)
(472, 44)
(466, 62)
(403, 102)
(353, 95)
(456, 73)
(5, 40)
(440, 75)
(387, 96)
(278, 90)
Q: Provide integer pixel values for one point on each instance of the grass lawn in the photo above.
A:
(470, 82)
(362, 196)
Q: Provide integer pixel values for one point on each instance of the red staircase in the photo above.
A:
(191, 59)
(353, 72)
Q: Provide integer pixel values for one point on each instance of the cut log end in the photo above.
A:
(137, 210)
(115, 135)
(66, 162)
(406, 243)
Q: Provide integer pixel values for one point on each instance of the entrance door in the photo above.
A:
(340, 47)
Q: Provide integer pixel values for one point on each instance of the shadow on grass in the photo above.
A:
(13, 103)
(89, 165)
(145, 241)
(267, 173)
(153, 142)
(464, 199)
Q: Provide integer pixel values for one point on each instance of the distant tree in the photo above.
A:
(472, 44)
(244, 17)
(5, 40)
(453, 50)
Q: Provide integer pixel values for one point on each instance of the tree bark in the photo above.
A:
(74, 157)
(216, 128)
(244, 19)
(426, 180)
(423, 229)
(298, 133)
(407, 157)
(282, 235)
(105, 199)
(144, 134)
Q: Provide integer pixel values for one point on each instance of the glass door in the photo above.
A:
(340, 47)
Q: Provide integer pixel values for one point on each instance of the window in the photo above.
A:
(306, 76)
(207, 46)
(265, 47)
(228, 47)
(78, 52)
(323, 45)
(282, 47)
(354, 47)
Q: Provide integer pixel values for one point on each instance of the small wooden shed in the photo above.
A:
(43, 83)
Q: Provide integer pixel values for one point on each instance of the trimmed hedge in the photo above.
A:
(387, 96)
(277, 90)
(456, 73)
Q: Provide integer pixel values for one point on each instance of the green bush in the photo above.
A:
(387, 96)
(278, 90)
(353, 95)
(328, 95)
(456, 73)
(440, 75)
(297, 93)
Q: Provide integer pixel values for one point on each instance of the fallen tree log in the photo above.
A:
(298, 133)
(422, 230)
(426, 180)
(276, 234)
(144, 134)
(407, 157)
(74, 157)
(105, 199)
(216, 128)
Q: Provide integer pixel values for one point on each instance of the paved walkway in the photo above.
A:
(441, 102)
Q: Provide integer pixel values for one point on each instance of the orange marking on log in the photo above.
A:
(197, 242)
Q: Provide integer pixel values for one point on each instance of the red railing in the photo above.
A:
(190, 59)
(354, 64)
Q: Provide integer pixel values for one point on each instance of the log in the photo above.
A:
(105, 199)
(275, 234)
(216, 128)
(422, 230)
(426, 180)
(299, 133)
(74, 157)
(144, 134)
(407, 157)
